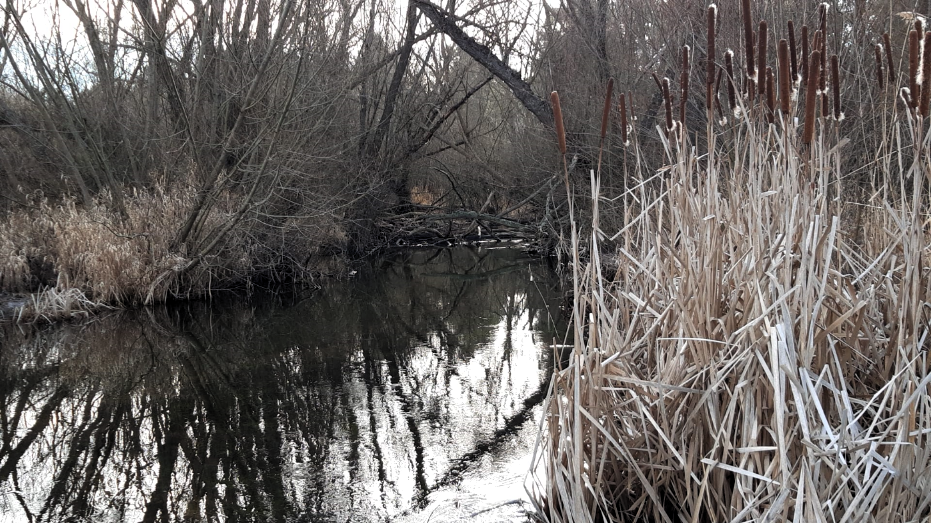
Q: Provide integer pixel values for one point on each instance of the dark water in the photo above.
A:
(409, 393)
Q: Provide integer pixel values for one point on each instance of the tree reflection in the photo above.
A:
(350, 403)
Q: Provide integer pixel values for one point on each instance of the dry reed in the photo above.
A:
(624, 129)
(770, 96)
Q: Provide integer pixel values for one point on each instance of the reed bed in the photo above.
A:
(761, 353)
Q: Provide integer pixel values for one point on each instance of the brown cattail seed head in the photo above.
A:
(557, 116)
(667, 99)
(926, 76)
(835, 85)
(729, 69)
(770, 95)
(914, 57)
(811, 97)
(609, 98)
(761, 45)
(785, 77)
(748, 36)
(803, 67)
(623, 108)
(793, 51)
(879, 65)
(887, 44)
(684, 83)
(709, 65)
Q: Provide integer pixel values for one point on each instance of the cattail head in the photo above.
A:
(803, 66)
(811, 97)
(623, 109)
(770, 95)
(887, 44)
(914, 62)
(920, 25)
(762, 38)
(879, 65)
(609, 97)
(792, 50)
(835, 86)
(785, 77)
(748, 39)
(667, 99)
(823, 17)
(709, 61)
(684, 82)
(557, 116)
(729, 69)
(926, 73)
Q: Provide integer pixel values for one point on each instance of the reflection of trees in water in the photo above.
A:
(355, 401)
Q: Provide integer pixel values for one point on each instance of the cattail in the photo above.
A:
(770, 95)
(811, 97)
(919, 25)
(607, 109)
(793, 50)
(717, 89)
(729, 69)
(684, 83)
(557, 116)
(709, 65)
(914, 57)
(667, 99)
(748, 45)
(823, 15)
(803, 67)
(835, 85)
(879, 65)
(785, 83)
(926, 74)
(761, 46)
(888, 45)
(623, 107)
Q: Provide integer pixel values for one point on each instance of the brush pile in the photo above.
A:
(762, 351)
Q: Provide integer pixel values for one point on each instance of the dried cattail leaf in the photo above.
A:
(623, 110)
(557, 116)
(811, 98)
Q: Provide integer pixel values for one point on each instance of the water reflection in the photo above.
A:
(352, 403)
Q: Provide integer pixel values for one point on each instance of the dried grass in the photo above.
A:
(755, 357)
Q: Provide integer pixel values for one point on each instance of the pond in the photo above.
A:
(410, 392)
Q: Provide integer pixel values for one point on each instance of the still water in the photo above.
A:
(409, 393)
